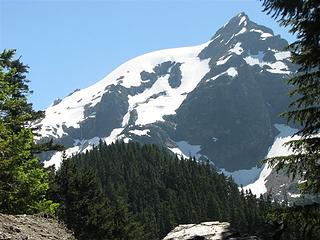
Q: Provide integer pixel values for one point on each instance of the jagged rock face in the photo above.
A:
(18, 227)
(205, 231)
(240, 98)
(217, 101)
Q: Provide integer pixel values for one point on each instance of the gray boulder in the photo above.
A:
(206, 231)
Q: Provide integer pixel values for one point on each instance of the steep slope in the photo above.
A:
(241, 95)
(217, 101)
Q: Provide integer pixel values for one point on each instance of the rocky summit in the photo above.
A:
(219, 101)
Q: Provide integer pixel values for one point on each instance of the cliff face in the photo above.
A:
(32, 227)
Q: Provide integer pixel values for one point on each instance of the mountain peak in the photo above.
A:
(233, 26)
(239, 20)
(242, 18)
(240, 24)
(242, 14)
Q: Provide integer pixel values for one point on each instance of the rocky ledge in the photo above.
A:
(206, 231)
(32, 227)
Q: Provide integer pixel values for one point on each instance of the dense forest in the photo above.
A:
(149, 191)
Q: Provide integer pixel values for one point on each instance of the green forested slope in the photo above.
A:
(148, 186)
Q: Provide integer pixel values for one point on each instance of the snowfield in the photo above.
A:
(70, 111)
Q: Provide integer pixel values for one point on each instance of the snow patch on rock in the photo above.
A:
(243, 30)
(236, 49)
(276, 67)
(140, 132)
(177, 151)
(232, 72)
(189, 150)
(282, 55)
(243, 176)
(263, 35)
(243, 19)
(223, 60)
(277, 149)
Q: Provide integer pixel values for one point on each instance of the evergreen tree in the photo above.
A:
(23, 181)
(84, 207)
(125, 227)
(303, 19)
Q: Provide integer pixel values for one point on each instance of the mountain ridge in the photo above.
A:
(218, 101)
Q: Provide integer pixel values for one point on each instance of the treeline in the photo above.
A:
(133, 191)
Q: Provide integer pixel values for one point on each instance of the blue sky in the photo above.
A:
(73, 44)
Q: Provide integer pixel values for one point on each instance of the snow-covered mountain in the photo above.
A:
(218, 101)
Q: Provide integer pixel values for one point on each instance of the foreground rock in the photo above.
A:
(32, 227)
(206, 231)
